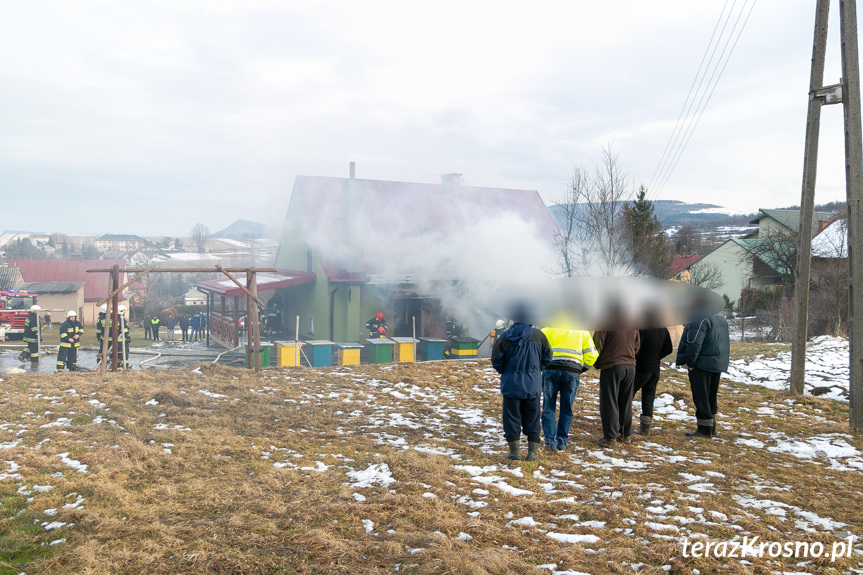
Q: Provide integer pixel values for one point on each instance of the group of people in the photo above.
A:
(192, 327)
(538, 366)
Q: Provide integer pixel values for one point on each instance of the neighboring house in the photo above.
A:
(57, 297)
(10, 277)
(733, 257)
(678, 269)
(60, 271)
(194, 297)
(119, 243)
(138, 260)
(399, 248)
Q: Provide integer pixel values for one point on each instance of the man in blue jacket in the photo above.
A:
(520, 355)
(704, 350)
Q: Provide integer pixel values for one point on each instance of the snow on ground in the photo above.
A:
(826, 369)
(391, 413)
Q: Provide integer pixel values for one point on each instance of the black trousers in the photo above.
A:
(67, 357)
(705, 387)
(522, 415)
(646, 381)
(615, 400)
(32, 352)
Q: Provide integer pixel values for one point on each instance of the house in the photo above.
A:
(57, 297)
(119, 243)
(10, 277)
(733, 259)
(416, 252)
(678, 269)
(59, 271)
(194, 297)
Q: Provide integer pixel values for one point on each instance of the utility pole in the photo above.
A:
(807, 200)
(854, 196)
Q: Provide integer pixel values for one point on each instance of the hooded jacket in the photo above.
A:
(519, 356)
(655, 344)
(705, 344)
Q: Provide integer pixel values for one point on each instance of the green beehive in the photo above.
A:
(380, 350)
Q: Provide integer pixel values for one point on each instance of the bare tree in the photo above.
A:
(593, 236)
(200, 234)
(705, 275)
(688, 241)
(830, 271)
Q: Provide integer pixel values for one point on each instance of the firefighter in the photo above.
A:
(32, 337)
(123, 338)
(70, 339)
(377, 326)
(100, 331)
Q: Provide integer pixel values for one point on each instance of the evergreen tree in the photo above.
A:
(647, 239)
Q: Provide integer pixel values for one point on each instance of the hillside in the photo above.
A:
(400, 469)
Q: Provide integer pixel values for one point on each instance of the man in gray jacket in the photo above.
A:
(704, 350)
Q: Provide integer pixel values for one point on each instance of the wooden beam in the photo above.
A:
(239, 285)
(124, 286)
(186, 270)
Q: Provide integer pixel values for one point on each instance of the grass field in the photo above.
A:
(400, 469)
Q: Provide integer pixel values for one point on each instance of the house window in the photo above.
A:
(311, 325)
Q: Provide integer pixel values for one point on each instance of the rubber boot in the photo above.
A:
(532, 449)
(644, 426)
(713, 429)
(514, 451)
(703, 431)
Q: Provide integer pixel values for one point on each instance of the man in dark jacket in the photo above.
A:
(704, 350)
(655, 344)
(519, 356)
(71, 331)
(184, 326)
(616, 363)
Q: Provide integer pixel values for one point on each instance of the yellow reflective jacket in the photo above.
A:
(572, 349)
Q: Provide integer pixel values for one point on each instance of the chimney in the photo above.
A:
(823, 224)
(451, 179)
(353, 170)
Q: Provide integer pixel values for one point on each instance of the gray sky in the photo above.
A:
(147, 117)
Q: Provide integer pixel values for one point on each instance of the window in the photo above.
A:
(311, 325)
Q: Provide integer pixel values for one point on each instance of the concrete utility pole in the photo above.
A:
(807, 200)
(854, 194)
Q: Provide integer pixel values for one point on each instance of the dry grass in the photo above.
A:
(255, 481)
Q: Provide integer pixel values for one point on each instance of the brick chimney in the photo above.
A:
(823, 224)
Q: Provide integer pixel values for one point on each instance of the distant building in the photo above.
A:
(194, 297)
(10, 277)
(119, 243)
(57, 297)
(61, 271)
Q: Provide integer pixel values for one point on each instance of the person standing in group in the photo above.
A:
(148, 327)
(704, 349)
(70, 339)
(154, 326)
(655, 344)
(616, 365)
(170, 324)
(377, 326)
(519, 355)
(32, 337)
(193, 325)
(573, 352)
(184, 326)
(47, 320)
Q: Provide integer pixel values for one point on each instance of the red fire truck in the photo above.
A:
(14, 307)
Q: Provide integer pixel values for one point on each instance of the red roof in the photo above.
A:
(388, 214)
(95, 284)
(265, 281)
(680, 263)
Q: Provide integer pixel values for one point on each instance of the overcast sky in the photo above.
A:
(148, 117)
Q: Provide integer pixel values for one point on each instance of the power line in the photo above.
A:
(682, 134)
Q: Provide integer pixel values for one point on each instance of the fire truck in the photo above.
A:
(14, 308)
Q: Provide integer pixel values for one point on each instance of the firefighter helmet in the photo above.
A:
(71, 313)
(382, 330)
(104, 308)
(499, 324)
(35, 308)
(121, 309)
(380, 316)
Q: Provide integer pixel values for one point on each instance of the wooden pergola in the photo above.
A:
(250, 289)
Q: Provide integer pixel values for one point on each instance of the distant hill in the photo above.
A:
(674, 213)
(243, 229)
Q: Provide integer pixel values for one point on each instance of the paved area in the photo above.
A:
(156, 355)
